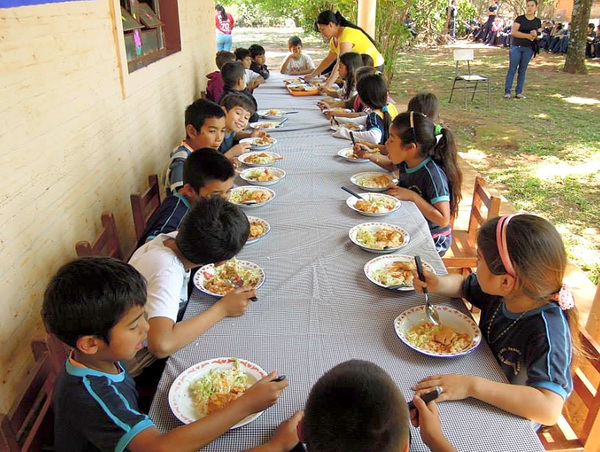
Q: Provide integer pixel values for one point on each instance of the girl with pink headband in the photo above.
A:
(528, 318)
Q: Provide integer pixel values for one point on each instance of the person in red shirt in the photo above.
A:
(224, 23)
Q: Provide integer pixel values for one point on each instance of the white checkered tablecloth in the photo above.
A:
(317, 308)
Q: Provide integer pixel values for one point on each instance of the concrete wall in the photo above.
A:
(78, 134)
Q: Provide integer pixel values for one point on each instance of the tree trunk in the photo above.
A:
(575, 63)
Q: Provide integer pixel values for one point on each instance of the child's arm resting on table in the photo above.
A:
(166, 336)
(538, 404)
(438, 213)
(285, 437)
(194, 436)
(363, 151)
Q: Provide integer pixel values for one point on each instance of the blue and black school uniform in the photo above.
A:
(375, 120)
(95, 411)
(429, 180)
(167, 218)
(227, 143)
(260, 69)
(533, 348)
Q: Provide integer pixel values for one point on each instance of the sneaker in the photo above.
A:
(521, 96)
(507, 96)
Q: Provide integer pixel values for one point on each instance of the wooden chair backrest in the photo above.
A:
(586, 391)
(107, 243)
(144, 205)
(481, 198)
(20, 428)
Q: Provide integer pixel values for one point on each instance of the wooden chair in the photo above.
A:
(577, 430)
(49, 344)
(107, 243)
(144, 205)
(463, 253)
(28, 425)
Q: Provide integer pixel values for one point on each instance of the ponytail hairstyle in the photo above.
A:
(221, 10)
(328, 16)
(414, 127)
(534, 254)
(373, 92)
(426, 103)
(352, 61)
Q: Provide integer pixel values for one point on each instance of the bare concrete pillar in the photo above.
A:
(366, 15)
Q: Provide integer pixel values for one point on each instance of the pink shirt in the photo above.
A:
(224, 26)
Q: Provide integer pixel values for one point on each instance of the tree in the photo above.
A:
(575, 63)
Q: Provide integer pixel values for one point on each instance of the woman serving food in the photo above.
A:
(343, 37)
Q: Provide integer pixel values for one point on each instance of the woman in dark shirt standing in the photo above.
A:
(524, 32)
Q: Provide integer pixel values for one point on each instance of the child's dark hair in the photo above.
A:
(89, 296)
(426, 103)
(231, 72)
(205, 165)
(213, 230)
(356, 406)
(294, 41)
(538, 256)
(327, 16)
(256, 50)
(199, 111)
(364, 70)
(222, 11)
(443, 152)
(367, 60)
(231, 100)
(373, 92)
(223, 56)
(241, 53)
(352, 61)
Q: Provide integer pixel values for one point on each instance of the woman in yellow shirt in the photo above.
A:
(343, 37)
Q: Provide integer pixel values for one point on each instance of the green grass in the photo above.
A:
(542, 152)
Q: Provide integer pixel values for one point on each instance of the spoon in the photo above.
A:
(356, 195)
(237, 282)
(430, 311)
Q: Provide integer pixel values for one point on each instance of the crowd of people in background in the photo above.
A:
(554, 37)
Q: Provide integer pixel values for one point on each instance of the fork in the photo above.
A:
(237, 282)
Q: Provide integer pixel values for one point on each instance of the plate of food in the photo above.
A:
(348, 154)
(336, 110)
(249, 196)
(456, 335)
(259, 143)
(258, 229)
(347, 125)
(380, 238)
(265, 125)
(206, 387)
(257, 158)
(373, 204)
(393, 270)
(262, 175)
(373, 181)
(224, 279)
(273, 113)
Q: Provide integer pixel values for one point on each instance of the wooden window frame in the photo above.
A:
(145, 71)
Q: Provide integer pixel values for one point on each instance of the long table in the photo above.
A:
(317, 308)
